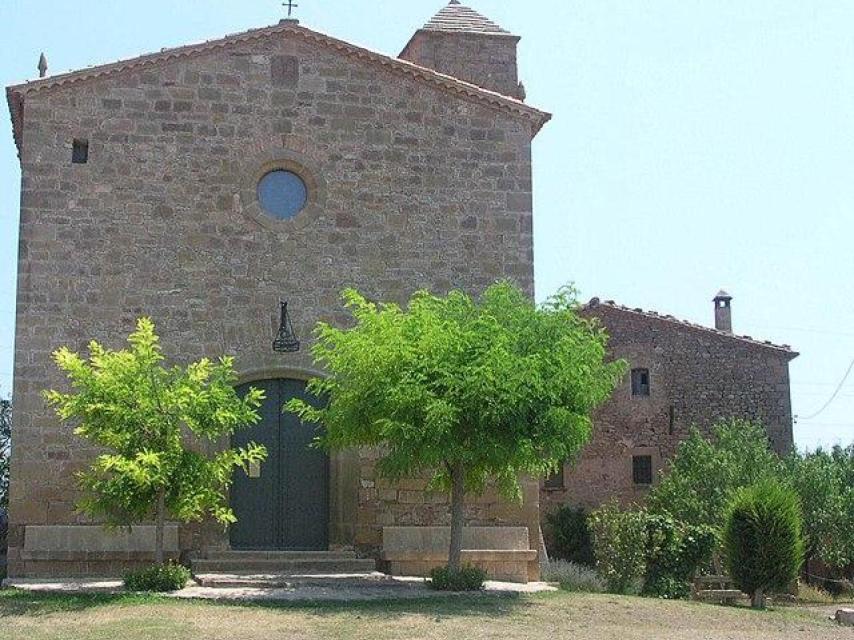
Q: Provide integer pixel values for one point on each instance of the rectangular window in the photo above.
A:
(555, 480)
(640, 382)
(79, 151)
(642, 470)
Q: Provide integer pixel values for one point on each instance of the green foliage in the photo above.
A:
(471, 391)
(706, 473)
(762, 538)
(569, 533)
(497, 384)
(157, 578)
(573, 577)
(5, 450)
(154, 426)
(824, 481)
(619, 539)
(674, 553)
(466, 578)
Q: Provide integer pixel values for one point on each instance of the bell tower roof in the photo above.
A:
(457, 17)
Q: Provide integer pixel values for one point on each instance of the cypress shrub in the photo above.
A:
(762, 538)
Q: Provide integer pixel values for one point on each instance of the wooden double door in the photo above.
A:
(284, 503)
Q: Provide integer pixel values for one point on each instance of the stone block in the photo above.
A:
(90, 539)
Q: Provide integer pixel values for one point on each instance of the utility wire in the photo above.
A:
(832, 397)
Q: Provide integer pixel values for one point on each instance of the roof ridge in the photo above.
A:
(655, 315)
(15, 93)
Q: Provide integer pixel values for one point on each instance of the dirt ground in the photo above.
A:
(550, 616)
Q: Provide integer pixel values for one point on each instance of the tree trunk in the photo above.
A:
(458, 494)
(757, 600)
(158, 527)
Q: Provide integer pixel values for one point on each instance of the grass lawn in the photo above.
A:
(552, 616)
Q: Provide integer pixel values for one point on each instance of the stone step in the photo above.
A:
(275, 566)
(280, 555)
(287, 581)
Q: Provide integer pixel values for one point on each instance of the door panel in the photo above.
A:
(287, 507)
(305, 480)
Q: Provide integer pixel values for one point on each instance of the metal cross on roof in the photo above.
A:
(291, 5)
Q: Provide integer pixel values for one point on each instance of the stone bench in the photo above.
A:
(88, 550)
(503, 552)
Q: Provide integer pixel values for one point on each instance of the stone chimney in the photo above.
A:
(460, 42)
(723, 311)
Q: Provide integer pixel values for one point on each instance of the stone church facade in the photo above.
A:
(681, 376)
(143, 193)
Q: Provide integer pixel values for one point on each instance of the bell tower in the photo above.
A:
(460, 42)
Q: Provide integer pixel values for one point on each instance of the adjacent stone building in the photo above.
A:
(201, 185)
(682, 375)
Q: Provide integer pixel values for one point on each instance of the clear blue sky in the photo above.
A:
(696, 145)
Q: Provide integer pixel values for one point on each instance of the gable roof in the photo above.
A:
(610, 305)
(16, 94)
(457, 17)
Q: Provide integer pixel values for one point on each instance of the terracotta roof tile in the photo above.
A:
(458, 17)
(653, 315)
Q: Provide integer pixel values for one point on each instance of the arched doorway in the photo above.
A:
(285, 503)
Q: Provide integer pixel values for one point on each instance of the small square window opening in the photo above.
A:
(642, 470)
(80, 151)
(640, 382)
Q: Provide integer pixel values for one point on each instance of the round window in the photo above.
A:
(282, 194)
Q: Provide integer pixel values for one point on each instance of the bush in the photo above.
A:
(466, 578)
(573, 577)
(762, 539)
(619, 539)
(705, 474)
(4, 529)
(158, 578)
(674, 553)
(570, 536)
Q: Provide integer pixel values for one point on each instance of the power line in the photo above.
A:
(832, 397)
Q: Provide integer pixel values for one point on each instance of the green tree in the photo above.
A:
(705, 473)
(472, 390)
(5, 450)
(824, 481)
(153, 424)
(762, 539)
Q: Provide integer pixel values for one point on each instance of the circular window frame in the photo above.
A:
(283, 160)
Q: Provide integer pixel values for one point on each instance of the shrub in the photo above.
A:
(705, 474)
(811, 594)
(466, 578)
(824, 481)
(762, 539)
(573, 577)
(619, 539)
(4, 529)
(674, 553)
(157, 578)
(570, 536)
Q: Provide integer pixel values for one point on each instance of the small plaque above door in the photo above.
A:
(254, 470)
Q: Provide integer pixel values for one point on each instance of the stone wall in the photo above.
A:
(411, 187)
(697, 377)
(486, 60)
